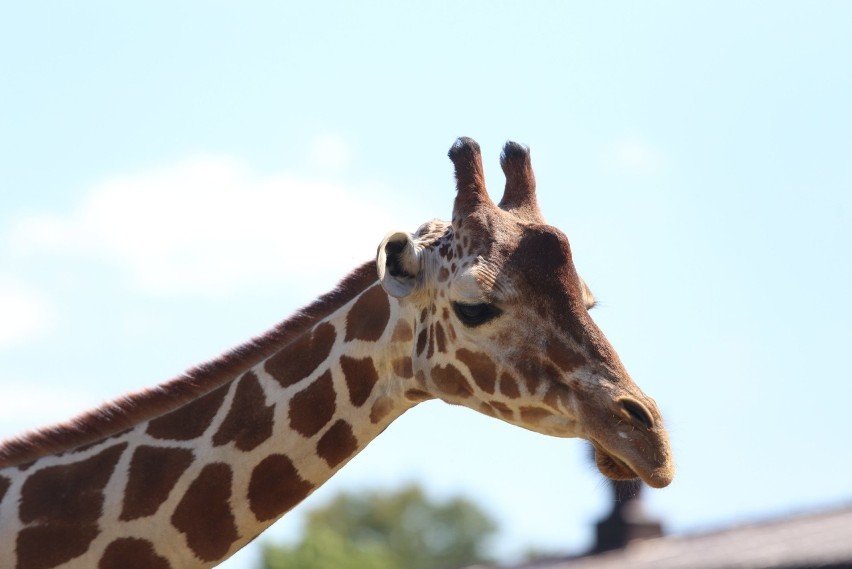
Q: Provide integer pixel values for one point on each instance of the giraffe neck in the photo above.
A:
(191, 486)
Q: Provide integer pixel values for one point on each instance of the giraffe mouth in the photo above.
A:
(612, 467)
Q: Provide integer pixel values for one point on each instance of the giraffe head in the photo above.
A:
(501, 323)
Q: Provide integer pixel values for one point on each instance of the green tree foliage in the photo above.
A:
(404, 530)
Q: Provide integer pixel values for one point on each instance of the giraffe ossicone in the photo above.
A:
(486, 311)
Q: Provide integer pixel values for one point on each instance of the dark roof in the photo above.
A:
(822, 539)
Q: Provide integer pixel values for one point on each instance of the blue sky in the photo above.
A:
(177, 177)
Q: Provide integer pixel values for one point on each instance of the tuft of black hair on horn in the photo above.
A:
(519, 194)
(470, 177)
(467, 158)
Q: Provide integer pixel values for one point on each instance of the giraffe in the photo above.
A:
(486, 311)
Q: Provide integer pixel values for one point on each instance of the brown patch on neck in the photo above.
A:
(369, 316)
(190, 421)
(313, 407)
(250, 420)
(337, 444)
(301, 357)
(66, 521)
(134, 409)
(66, 543)
(153, 472)
(276, 487)
(45, 499)
(361, 376)
(132, 553)
(204, 513)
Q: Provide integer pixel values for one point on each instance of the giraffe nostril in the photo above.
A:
(637, 413)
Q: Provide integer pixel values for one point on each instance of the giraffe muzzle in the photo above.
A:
(630, 441)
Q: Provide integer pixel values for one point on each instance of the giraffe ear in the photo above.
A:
(588, 298)
(398, 264)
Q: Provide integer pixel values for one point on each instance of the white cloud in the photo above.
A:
(24, 314)
(208, 224)
(635, 155)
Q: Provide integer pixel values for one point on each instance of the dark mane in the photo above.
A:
(135, 408)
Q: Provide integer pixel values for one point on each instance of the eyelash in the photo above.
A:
(473, 315)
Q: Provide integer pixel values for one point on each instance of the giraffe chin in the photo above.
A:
(617, 469)
(612, 467)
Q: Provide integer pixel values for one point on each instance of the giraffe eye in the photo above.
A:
(473, 315)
